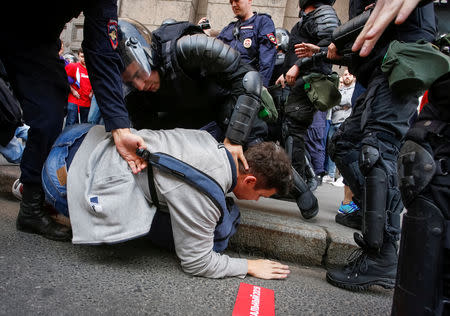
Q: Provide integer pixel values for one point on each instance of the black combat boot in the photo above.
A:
(352, 220)
(367, 267)
(34, 219)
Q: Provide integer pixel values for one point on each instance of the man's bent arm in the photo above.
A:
(193, 223)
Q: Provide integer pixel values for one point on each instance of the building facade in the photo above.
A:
(151, 13)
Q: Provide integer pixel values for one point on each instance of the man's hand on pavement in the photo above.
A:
(126, 144)
(267, 269)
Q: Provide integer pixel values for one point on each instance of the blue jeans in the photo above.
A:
(94, 117)
(72, 114)
(14, 150)
(331, 164)
(54, 173)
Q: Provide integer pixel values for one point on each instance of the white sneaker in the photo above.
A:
(17, 189)
(327, 179)
(339, 182)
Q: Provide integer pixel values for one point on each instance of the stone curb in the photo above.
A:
(275, 229)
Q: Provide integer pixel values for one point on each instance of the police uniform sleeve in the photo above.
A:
(326, 21)
(267, 50)
(221, 63)
(103, 62)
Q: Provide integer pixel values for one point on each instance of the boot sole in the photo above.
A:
(29, 230)
(385, 283)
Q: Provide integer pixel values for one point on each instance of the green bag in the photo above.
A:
(413, 67)
(322, 90)
(269, 112)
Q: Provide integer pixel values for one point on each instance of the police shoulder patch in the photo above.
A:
(272, 38)
(112, 33)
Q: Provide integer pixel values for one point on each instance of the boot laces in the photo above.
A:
(357, 261)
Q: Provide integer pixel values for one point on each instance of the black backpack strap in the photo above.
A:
(150, 175)
(184, 172)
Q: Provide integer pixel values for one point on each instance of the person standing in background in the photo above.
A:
(80, 92)
(252, 35)
(338, 115)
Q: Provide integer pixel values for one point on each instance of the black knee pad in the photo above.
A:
(416, 168)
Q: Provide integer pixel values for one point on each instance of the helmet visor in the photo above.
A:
(136, 61)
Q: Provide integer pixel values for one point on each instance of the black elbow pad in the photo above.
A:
(241, 122)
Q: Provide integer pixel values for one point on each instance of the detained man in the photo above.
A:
(191, 213)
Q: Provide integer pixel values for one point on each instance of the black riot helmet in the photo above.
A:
(304, 3)
(282, 36)
(134, 49)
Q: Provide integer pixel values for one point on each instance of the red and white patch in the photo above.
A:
(112, 33)
(247, 43)
(272, 38)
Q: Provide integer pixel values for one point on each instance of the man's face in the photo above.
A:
(245, 189)
(241, 8)
(140, 79)
(347, 78)
(81, 58)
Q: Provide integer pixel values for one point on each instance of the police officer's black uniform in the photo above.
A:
(423, 277)
(316, 28)
(29, 51)
(201, 80)
(366, 148)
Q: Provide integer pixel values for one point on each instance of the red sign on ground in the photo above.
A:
(254, 300)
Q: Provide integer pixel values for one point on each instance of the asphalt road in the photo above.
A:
(43, 277)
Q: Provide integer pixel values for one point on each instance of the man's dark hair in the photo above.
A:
(270, 165)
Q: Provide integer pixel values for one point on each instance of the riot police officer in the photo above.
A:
(279, 93)
(313, 32)
(252, 35)
(282, 36)
(187, 79)
(29, 53)
(422, 285)
(365, 149)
